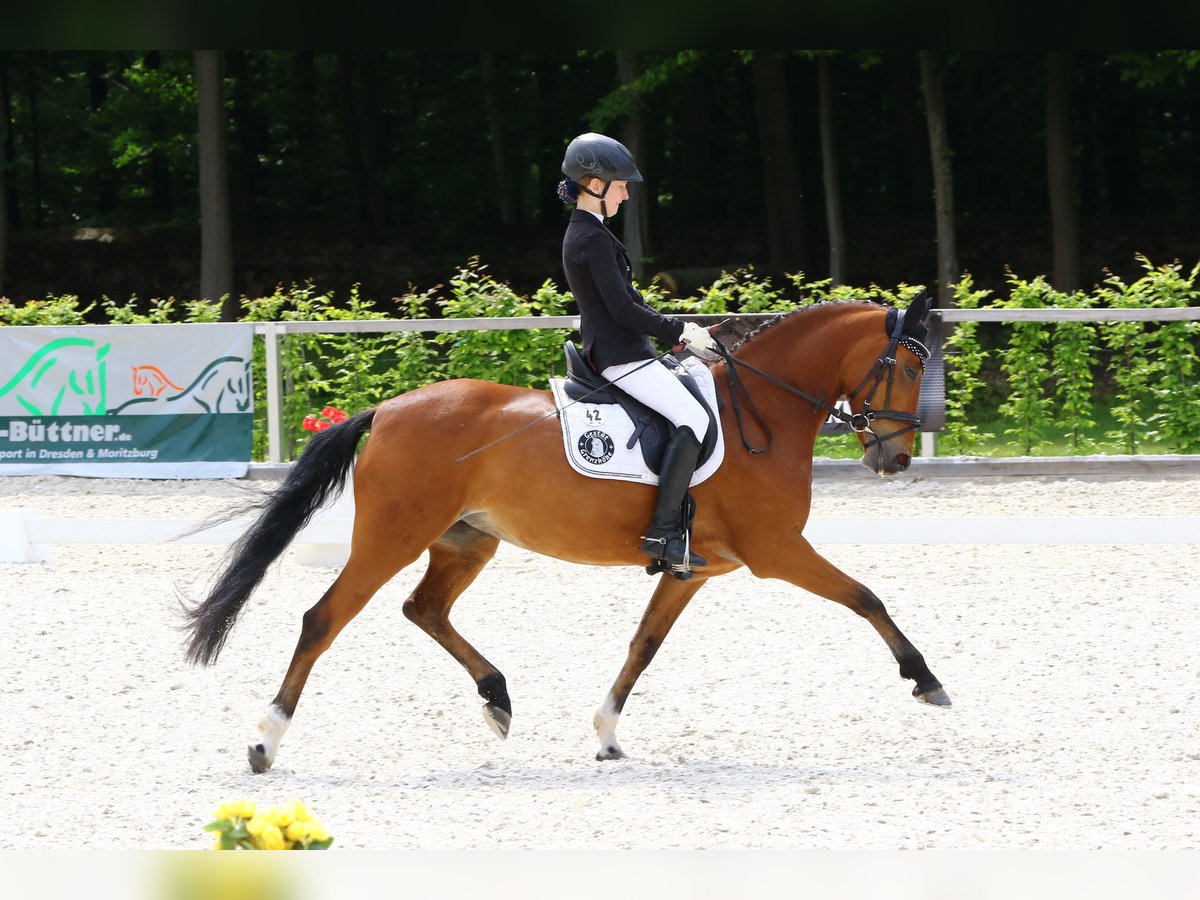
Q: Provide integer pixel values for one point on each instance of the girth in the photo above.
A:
(651, 429)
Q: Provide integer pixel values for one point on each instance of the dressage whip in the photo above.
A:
(557, 410)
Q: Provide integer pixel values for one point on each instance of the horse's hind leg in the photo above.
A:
(364, 574)
(454, 562)
(669, 600)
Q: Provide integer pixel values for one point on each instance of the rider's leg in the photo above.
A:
(657, 388)
(665, 537)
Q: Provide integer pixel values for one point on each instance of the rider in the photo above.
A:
(616, 325)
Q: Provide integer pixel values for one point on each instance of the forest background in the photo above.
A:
(209, 174)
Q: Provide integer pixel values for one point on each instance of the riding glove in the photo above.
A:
(699, 341)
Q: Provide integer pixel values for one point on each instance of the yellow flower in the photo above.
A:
(298, 811)
(280, 816)
(256, 825)
(271, 838)
(237, 809)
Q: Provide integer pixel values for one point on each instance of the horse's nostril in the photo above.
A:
(903, 459)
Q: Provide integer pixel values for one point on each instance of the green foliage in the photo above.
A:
(160, 311)
(964, 362)
(63, 310)
(1074, 354)
(351, 371)
(1156, 367)
(523, 357)
(1131, 365)
(1025, 365)
(732, 292)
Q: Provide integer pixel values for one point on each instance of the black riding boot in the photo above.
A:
(665, 539)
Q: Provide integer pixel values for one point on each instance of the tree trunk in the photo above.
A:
(502, 167)
(829, 172)
(943, 179)
(781, 173)
(1064, 212)
(216, 238)
(635, 212)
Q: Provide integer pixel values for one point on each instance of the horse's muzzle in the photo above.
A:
(885, 464)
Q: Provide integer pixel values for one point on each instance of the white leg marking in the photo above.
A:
(270, 731)
(605, 721)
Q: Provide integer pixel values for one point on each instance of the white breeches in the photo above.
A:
(655, 386)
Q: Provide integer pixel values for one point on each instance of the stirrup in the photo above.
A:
(681, 573)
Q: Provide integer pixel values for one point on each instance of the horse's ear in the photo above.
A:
(914, 316)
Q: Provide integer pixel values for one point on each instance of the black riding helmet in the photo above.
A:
(599, 156)
(595, 155)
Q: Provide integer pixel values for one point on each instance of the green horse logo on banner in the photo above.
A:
(66, 377)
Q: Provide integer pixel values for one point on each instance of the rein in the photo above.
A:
(885, 366)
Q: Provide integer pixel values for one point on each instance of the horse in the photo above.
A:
(421, 483)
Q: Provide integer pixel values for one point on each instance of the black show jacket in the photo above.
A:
(615, 321)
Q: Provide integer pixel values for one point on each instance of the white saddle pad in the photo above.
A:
(595, 435)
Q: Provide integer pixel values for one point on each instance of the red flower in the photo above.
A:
(330, 415)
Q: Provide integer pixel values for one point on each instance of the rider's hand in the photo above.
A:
(699, 341)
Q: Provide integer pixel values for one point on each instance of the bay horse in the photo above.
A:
(420, 485)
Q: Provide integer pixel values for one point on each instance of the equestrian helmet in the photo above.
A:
(598, 156)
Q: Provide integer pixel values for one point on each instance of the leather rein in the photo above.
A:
(884, 369)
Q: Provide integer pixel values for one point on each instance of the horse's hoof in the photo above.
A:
(935, 697)
(498, 719)
(257, 755)
(612, 752)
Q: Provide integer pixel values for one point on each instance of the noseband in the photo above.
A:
(882, 373)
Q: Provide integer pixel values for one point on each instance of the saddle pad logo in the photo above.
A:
(596, 447)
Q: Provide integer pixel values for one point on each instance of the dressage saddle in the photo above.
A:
(651, 429)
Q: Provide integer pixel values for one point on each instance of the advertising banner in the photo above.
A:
(127, 401)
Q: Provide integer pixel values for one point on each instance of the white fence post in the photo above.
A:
(271, 332)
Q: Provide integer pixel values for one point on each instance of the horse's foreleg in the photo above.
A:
(345, 599)
(454, 562)
(669, 600)
(808, 569)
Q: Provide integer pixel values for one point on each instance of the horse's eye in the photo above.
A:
(911, 373)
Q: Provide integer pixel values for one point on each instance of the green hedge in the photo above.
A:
(1072, 387)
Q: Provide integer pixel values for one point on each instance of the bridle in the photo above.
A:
(882, 373)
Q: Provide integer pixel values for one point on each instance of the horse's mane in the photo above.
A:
(797, 313)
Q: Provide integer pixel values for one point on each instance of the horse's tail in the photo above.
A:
(318, 475)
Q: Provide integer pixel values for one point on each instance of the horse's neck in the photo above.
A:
(807, 351)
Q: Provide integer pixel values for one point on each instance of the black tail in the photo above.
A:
(318, 475)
